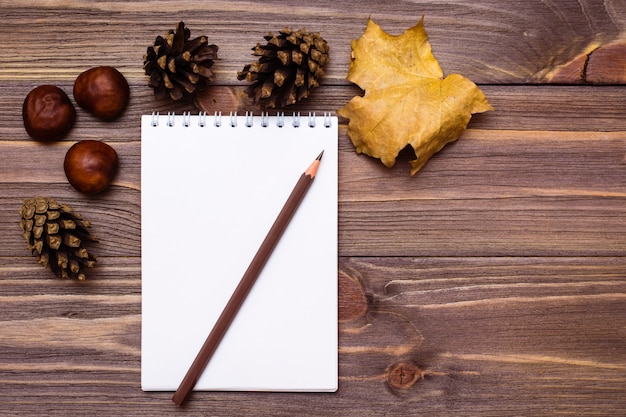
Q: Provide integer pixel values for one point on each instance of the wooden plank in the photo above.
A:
(492, 192)
(540, 334)
(485, 40)
(496, 191)
(518, 108)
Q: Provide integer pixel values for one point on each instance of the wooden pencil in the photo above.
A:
(246, 283)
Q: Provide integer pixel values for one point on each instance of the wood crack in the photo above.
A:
(598, 64)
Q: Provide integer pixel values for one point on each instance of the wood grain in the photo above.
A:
(492, 283)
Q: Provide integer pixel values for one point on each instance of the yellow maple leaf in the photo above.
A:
(407, 100)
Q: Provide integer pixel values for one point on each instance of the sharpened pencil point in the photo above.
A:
(312, 170)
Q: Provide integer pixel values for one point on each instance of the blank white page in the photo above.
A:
(209, 194)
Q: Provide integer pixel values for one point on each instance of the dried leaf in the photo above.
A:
(407, 100)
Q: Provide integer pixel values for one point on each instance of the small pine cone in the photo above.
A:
(289, 66)
(56, 235)
(178, 66)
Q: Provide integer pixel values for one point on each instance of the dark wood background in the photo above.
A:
(492, 283)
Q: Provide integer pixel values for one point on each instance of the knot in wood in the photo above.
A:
(403, 375)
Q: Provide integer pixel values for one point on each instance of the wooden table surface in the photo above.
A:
(492, 283)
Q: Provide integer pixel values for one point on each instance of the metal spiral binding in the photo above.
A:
(249, 119)
(280, 119)
(295, 119)
(327, 119)
(217, 119)
(201, 119)
(186, 118)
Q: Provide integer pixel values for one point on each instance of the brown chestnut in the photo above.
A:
(90, 165)
(48, 113)
(102, 91)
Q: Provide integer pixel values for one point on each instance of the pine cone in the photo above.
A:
(56, 235)
(288, 67)
(178, 66)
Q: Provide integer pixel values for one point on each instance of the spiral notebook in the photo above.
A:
(211, 187)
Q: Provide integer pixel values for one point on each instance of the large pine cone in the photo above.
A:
(56, 235)
(289, 66)
(178, 66)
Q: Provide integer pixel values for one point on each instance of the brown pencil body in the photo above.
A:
(246, 283)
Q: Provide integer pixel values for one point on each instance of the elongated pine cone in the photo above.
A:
(178, 66)
(289, 66)
(55, 234)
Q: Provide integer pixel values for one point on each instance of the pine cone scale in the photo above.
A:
(300, 78)
(183, 82)
(192, 46)
(177, 41)
(71, 241)
(54, 242)
(202, 71)
(53, 228)
(205, 53)
(279, 77)
(67, 224)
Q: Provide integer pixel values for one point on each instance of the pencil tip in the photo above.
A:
(311, 170)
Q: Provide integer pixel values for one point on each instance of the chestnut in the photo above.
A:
(90, 165)
(102, 91)
(48, 113)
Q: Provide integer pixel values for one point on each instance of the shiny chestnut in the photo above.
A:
(102, 91)
(90, 165)
(48, 113)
